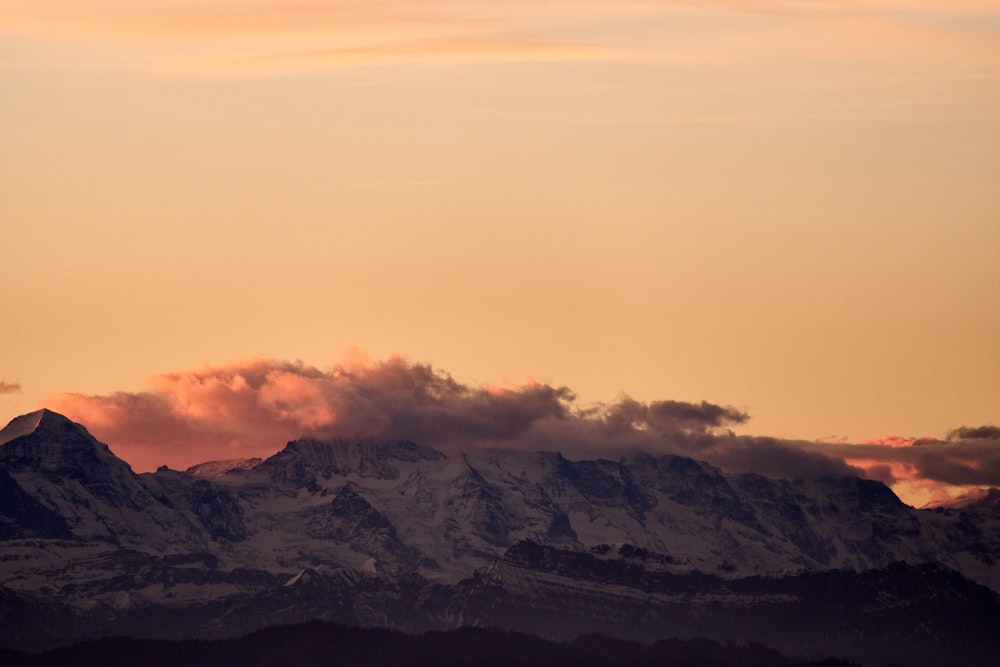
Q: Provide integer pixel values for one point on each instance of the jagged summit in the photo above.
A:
(222, 467)
(50, 464)
(340, 456)
(397, 533)
(45, 442)
(43, 422)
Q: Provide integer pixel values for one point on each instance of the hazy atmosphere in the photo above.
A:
(765, 234)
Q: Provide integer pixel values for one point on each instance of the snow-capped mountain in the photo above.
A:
(398, 534)
(54, 466)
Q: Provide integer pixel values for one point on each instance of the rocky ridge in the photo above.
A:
(400, 535)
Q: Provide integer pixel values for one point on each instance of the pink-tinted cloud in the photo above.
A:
(891, 440)
(253, 407)
(9, 387)
(930, 470)
(962, 461)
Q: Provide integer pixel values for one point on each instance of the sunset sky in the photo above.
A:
(789, 209)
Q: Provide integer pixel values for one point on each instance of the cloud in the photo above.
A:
(929, 470)
(772, 457)
(470, 49)
(229, 38)
(976, 433)
(629, 414)
(168, 19)
(840, 7)
(956, 462)
(251, 408)
(974, 496)
(9, 387)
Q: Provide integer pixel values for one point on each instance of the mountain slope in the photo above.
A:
(397, 534)
(68, 474)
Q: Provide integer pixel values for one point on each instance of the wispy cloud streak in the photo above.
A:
(224, 37)
(9, 387)
(220, 37)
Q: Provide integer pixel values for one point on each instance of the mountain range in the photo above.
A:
(399, 535)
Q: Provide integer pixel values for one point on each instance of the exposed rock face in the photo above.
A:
(23, 516)
(70, 475)
(398, 534)
(300, 461)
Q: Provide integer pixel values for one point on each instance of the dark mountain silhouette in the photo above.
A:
(322, 644)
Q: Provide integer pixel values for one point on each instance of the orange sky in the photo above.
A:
(788, 207)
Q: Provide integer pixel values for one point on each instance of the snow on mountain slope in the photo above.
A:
(26, 425)
(216, 468)
(450, 516)
(59, 465)
(398, 519)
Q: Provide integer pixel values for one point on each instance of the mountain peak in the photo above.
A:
(340, 456)
(224, 467)
(47, 441)
(42, 422)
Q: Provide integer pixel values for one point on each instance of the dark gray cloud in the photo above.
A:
(700, 417)
(631, 419)
(9, 387)
(772, 457)
(975, 433)
(252, 408)
(958, 462)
